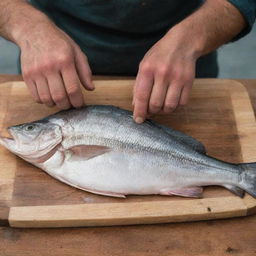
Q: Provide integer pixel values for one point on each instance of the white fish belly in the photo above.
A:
(124, 173)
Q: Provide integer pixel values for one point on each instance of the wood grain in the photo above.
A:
(234, 236)
(7, 170)
(210, 117)
(111, 214)
(8, 166)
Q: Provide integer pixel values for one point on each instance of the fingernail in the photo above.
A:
(92, 87)
(139, 120)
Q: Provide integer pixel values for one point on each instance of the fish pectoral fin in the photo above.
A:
(79, 152)
(236, 190)
(186, 192)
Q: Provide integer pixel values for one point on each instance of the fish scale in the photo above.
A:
(101, 149)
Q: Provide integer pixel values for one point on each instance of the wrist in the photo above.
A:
(23, 20)
(31, 30)
(191, 41)
(215, 23)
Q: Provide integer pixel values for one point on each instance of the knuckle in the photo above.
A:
(142, 97)
(64, 59)
(31, 72)
(73, 90)
(45, 98)
(35, 71)
(177, 74)
(155, 105)
(163, 70)
(58, 98)
(170, 105)
(187, 78)
(46, 66)
(145, 67)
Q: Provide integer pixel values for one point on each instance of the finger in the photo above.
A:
(158, 95)
(143, 88)
(133, 102)
(83, 70)
(58, 91)
(33, 90)
(133, 94)
(44, 92)
(72, 85)
(185, 94)
(172, 98)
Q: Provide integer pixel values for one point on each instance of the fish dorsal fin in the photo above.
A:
(181, 137)
(85, 152)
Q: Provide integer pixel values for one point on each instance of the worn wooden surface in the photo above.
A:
(234, 236)
(31, 193)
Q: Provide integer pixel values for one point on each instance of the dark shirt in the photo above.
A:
(116, 34)
(248, 10)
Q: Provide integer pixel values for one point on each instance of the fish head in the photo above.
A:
(33, 141)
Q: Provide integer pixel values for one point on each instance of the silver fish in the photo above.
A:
(101, 150)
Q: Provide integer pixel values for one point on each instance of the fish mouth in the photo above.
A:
(7, 138)
(6, 134)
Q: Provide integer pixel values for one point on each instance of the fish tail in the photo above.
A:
(248, 178)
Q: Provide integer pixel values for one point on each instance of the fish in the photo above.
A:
(100, 149)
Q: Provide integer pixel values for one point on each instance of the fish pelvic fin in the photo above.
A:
(104, 193)
(248, 178)
(185, 192)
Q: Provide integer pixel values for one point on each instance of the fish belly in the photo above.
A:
(130, 173)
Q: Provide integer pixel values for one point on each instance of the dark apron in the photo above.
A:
(116, 34)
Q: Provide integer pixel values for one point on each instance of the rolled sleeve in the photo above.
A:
(248, 10)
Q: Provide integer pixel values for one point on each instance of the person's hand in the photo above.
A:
(165, 76)
(167, 71)
(54, 67)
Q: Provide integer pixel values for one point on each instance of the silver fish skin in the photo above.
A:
(101, 149)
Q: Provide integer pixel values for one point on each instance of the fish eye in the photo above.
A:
(30, 127)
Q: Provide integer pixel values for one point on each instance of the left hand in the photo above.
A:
(167, 71)
(165, 76)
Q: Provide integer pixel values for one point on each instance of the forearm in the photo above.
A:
(17, 18)
(214, 24)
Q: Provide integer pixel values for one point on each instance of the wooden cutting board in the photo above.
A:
(219, 115)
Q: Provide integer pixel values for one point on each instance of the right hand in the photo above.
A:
(54, 67)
